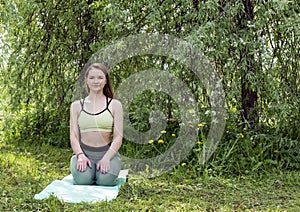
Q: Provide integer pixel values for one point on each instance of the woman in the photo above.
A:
(93, 120)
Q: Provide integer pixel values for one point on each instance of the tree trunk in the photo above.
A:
(249, 110)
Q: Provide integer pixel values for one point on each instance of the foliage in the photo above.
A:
(253, 45)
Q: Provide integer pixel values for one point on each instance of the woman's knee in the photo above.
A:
(115, 165)
(106, 179)
(81, 178)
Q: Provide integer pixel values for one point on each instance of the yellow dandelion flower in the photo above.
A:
(151, 141)
(199, 142)
(173, 135)
(163, 132)
(160, 141)
(183, 164)
(241, 135)
(201, 125)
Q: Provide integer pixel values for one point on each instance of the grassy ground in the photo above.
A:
(25, 171)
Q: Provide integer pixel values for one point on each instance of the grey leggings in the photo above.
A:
(91, 175)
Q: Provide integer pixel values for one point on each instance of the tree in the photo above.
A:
(253, 45)
(249, 93)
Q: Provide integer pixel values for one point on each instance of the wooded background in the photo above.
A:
(252, 44)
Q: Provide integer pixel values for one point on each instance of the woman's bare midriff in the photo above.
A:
(96, 139)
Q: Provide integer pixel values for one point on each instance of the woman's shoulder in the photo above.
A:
(116, 105)
(116, 102)
(76, 104)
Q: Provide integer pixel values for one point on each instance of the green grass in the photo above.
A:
(25, 171)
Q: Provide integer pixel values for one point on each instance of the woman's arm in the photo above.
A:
(82, 161)
(74, 132)
(117, 112)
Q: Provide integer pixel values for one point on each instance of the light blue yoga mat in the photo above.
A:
(67, 192)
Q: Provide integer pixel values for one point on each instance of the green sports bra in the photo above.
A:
(95, 122)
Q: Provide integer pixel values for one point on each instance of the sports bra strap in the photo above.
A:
(82, 103)
(108, 102)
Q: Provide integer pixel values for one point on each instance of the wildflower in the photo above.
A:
(173, 135)
(207, 112)
(160, 141)
(183, 164)
(199, 142)
(163, 132)
(181, 124)
(150, 141)
(241, 135)
(201, 125)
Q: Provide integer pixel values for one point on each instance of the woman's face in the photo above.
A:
(96, 80)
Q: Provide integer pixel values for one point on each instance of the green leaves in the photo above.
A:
(45, 44)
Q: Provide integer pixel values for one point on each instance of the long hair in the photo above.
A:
(107, 90)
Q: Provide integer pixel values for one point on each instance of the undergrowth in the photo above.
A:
(28, 169)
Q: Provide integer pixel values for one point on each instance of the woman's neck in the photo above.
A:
(93, 96)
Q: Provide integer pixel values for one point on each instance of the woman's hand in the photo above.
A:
(83, 162)
(103, 165)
